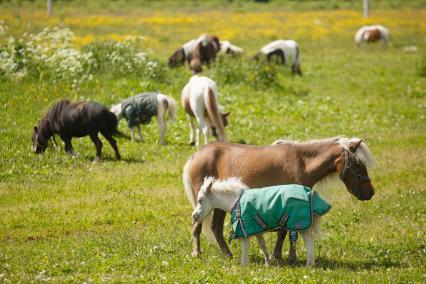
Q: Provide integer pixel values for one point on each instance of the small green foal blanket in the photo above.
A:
(288, 207)
(140, 108)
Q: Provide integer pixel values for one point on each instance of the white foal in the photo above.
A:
(371, 34)
(226, 47)
(224, 195)
(162, 105)
(200, 101)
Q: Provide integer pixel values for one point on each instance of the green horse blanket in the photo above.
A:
(288, 207)
(140, 108)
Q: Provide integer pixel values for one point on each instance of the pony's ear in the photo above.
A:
(209, 185)
(227, 113)
(35, 129)
(354, 146)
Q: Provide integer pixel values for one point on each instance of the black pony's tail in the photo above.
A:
(112, 124)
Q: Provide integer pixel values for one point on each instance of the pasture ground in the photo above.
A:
(68, 220)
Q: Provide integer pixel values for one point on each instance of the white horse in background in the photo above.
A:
(224, 195)
(142, 107)
(371, 34)
(226, 47)
(285, 50)
(200, 101)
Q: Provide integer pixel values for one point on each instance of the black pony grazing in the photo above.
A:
(76, 120)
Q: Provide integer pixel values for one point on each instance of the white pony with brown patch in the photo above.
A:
(200, 101)
(371, 34)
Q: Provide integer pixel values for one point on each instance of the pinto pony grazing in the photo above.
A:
(76, 120)
(255, 211)
(372, 34)
(284, 51)
(226, 47)
(142, 107)
(285, 162)
(200, 100)
(204, 52)
(182, 54)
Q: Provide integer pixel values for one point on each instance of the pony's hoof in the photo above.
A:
(192, 143)
(292, 261)
(276, 261)
(196, 254)
(96, 160)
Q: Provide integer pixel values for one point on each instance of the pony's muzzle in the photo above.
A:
(195, 217)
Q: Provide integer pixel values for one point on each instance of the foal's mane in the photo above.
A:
(226, 186)
(362, 153)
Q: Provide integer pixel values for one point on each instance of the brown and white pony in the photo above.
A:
(184, 53)
(204, 52)
(284, 162)
(284, 51)
(372, 34)
(200, 101)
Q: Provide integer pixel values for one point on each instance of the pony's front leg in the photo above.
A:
(68, 146)
(98, 145)
(132, 133)
(139, 133)
(245, 245)
(308, 238)
(196, 232)
(262, 245)
(217, 228)
(281, 234)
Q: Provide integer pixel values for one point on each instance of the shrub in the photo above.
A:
(51, 54)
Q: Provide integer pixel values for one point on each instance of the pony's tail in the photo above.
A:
(190, 193)
(112, 121)
(172, 107)
(214, 113)
(112, 124)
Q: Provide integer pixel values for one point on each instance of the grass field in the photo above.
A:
(67, 219)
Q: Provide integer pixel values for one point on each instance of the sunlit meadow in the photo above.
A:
(67, 219)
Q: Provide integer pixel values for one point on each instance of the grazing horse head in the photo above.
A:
(352, 169)
(39, 143)
(225, 118)
(177, 58)
(216, 193)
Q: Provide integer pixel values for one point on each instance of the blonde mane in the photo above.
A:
(362, 153)
(227, 186)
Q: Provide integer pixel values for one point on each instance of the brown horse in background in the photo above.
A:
(205, 52)
(285, 162)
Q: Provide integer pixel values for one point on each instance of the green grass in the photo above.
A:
(70, 220)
